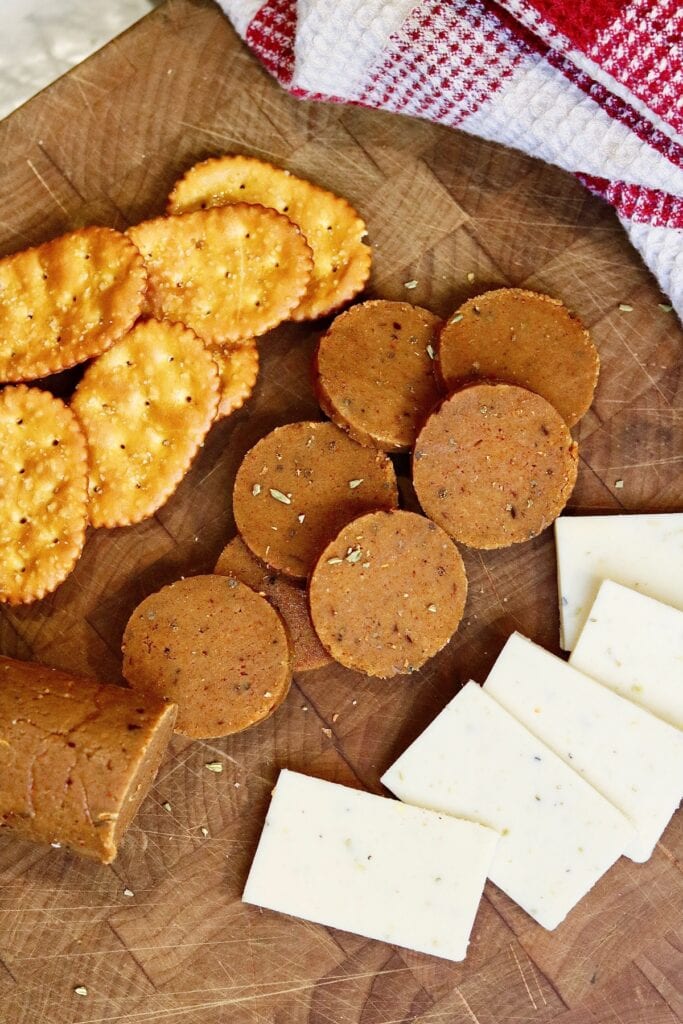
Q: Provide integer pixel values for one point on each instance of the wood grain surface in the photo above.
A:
(104, 145)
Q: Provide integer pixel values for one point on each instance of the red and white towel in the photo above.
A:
(594, 86)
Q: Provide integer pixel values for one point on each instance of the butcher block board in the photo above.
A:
(104, 145)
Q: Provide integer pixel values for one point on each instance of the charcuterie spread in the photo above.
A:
(539, 779)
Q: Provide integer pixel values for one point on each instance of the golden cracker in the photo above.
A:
(333, 229)
(146, 406)
(238, 367)
(67, 300)
(43, 493)
(229, 273)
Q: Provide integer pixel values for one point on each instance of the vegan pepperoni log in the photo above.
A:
(77, 757)
(494, 465)
(216, 648)
(237, 560)
(387, 593)
(299, 485)
(520, 337)
(374, 372)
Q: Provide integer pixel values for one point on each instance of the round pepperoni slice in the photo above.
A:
(299, 485)
(387, 593)
(375, 374)
(214, 647)
(520, 337)
(494, 465)
(290, 600)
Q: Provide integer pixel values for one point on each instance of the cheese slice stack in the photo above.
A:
(558, 834)
(541, 779)
(373, 866)
(644, 552)
(634, 645)
(632, 758)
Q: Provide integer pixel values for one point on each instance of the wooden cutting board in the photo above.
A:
(161, 935)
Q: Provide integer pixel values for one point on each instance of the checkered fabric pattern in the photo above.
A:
(593, 86)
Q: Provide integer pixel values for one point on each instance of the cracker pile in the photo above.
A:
(168, 315)
(332, 228)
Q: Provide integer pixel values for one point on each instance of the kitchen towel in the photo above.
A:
(593, 86)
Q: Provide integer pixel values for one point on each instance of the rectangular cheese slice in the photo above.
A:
(644, 552)
(370, 865)
(634, 645)
(558, 835)
(634, 759)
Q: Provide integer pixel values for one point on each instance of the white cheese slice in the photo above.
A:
(634, 645)
(369, 865)
(644, 552)
(632, 758)
(558, 835)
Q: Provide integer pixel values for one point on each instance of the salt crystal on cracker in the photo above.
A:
(146, 407)
(43, 493)
(333, 229)
(66, 301)
(229, 273)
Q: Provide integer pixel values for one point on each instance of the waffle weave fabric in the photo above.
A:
(593, 86)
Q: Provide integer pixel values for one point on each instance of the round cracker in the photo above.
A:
(309, 470)
(237, 560)
(67, 300)
(214, 647)
(238, 367)
(145, 406)
(387, 593)
(524, 338)
(229, 273)
(494, 465)
(43, 493)
(333, 229)
(374, 372)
